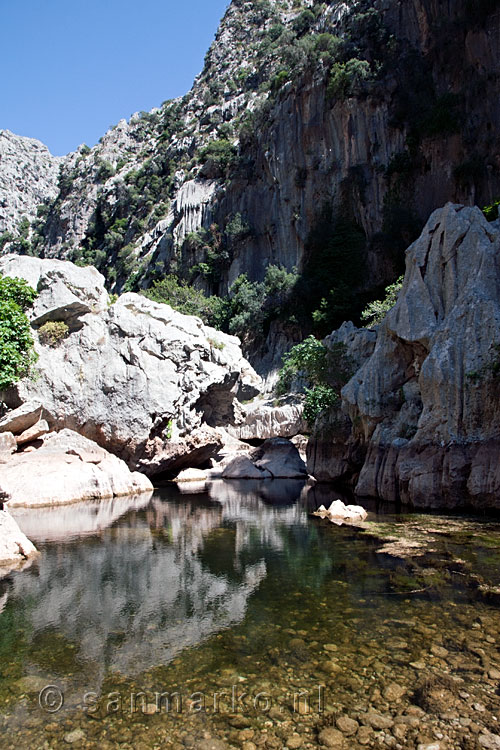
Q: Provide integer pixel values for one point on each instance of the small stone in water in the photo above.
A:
(331, 737)
(489, 741)
(377, 721)
(75, 736)
(347, 725)
(294, 742)
(330, 667)
(364, 735)
(394, 692)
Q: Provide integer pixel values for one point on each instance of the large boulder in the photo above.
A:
(64, 469)
(280, 458)
(65, 292)
(420, 420)
(16, 550)
(137, 377)
(267, 419)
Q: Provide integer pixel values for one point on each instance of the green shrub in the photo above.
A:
(318, 400)
(16, 342)
(279, 80)
(105, 170)
(348, 79)
(4, 238)
(237, 228)
(376, 311)
(492, 211)
(303, 22)
(253, 304)
(185, 299)
(53, 332)
(221, 153)
(307, 360)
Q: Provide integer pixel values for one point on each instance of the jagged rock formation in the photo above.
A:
(419, 422)
(28, 177)
(413, 133)
(138, 378)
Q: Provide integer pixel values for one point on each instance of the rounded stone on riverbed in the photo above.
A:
(330, 737)
(77, 735)
(294, 742)
(394, 692)
(212, 744)
(331, 667)
(347, 725)
(377, 721)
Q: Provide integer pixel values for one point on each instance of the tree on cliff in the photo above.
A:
(16, 342)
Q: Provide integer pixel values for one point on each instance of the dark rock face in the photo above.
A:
(309, 150)
(418, 422)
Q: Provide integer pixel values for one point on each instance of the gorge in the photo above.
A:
(277, 294)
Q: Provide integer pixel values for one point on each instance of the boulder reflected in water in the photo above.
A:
(65, 522)
(148, 578)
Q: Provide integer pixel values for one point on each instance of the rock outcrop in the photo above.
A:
(276, 458)
(28, 177)
(137, 377)
(339, 513)
(64, 467)
(269, 419)
(16, 550)
(419, 422)
(300, 147)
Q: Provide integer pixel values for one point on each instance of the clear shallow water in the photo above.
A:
(236, 592)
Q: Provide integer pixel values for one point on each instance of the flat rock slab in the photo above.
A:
(52, 475)
(21, 419)
(33, 433)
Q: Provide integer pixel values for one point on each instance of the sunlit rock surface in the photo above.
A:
(137, 377)
(419, 422)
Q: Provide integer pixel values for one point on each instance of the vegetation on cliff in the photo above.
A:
(165, 201)
(16, 342)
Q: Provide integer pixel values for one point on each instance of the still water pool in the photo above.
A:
(231, 618)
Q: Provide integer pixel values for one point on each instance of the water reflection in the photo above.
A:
(166, 574)
(62, 523)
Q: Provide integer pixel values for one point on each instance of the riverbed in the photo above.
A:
(229, 617)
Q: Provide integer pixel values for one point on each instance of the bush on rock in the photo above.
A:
(16, 342)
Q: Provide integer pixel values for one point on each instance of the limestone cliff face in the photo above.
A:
(419, 421)
(423, 132)
(137, 377)
(28, 176)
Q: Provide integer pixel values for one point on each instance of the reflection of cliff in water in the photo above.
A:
(64, 522)
(159, 580)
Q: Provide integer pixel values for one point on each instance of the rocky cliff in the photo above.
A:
(377, 111)
(28, 177)
(419, 422)
(137, 377)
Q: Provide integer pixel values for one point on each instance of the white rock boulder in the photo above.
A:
(339, 513)
(138, 378)
(16, 550)
(419, 422)
(66, 469)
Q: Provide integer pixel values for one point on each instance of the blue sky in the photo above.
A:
(72, 68)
